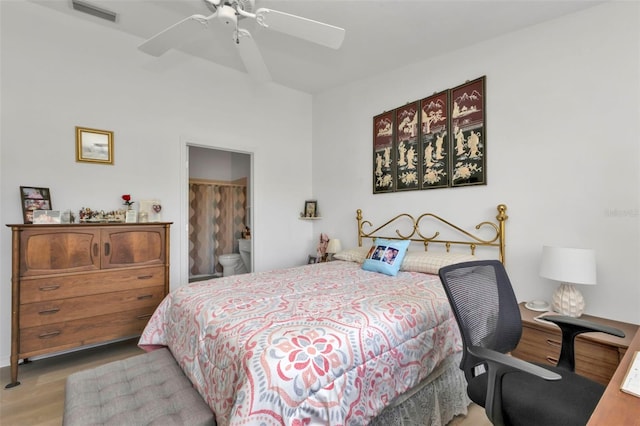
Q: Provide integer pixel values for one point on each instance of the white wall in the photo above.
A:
(563, 104)
(212, 164)
(59, 72)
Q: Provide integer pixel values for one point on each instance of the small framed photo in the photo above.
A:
(41, 217)
(94, 146)
(312, 260)
(311, 208)
(131, 216)
(34, 198)
(150, 210)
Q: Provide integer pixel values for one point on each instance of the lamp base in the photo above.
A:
(567, 300)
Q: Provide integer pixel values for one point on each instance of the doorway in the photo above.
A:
(219, 209)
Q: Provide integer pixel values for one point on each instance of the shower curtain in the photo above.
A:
(216, 221)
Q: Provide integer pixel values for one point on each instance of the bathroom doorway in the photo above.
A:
(219, 211)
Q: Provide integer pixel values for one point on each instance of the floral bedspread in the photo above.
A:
(317, 344)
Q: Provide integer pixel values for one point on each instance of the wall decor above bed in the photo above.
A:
(437, 142)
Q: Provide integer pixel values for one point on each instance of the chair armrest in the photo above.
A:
(498, 364)
(512, 364)
(587, 326)
(572, 327)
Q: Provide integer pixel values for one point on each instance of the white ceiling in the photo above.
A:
(380, 34)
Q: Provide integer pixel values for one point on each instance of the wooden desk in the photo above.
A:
(617, 407)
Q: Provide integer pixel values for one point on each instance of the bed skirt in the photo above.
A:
(437, 400)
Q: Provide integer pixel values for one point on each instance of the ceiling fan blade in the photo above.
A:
(251, 56)
(175, 35)
(297, 26)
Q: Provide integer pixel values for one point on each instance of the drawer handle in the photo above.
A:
(145, 277)
(145, 296)
(553, 343)
(143, 317)
(107, 249)
(95, 250)
(49, 311)
(49, 334)
(49, 287)
(552, 360)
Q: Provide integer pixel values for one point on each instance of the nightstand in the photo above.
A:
(597, 354)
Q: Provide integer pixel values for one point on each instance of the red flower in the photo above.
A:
(127, 199)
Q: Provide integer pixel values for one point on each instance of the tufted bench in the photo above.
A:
(147, 389)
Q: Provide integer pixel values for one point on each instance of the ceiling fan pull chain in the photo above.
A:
(237, 31)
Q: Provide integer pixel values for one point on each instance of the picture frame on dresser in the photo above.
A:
(34, 198)
(42, 217)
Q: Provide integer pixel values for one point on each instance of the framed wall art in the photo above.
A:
(434, 141)
(34, 198)
(468, 136)
(94, 146)
(407, 148)
(383, 153)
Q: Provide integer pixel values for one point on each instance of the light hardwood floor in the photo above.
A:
(39, 399)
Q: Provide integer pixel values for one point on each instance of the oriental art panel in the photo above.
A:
(434, 141)
(383, 153)
(468, 140)
(407, 148)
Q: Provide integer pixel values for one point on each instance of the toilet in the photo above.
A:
(232, 264)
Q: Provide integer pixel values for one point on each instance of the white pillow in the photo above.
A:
(430, 262)
(357, 254)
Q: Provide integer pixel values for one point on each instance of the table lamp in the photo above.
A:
(569, 266)
(333, 247)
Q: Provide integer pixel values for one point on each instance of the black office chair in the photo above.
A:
(512, 391)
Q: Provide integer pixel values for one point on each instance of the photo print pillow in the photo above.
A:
(386, 256)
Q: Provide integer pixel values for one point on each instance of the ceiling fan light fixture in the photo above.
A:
(92, 10)
(227, 15)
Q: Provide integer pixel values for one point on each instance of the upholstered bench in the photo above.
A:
(147, 389)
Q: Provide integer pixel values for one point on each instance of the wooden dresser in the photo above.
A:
(81, 284)
(597, 354)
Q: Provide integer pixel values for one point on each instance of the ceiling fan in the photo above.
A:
(230, 13)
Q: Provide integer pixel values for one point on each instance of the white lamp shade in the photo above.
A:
(334, 246)
(568, 265)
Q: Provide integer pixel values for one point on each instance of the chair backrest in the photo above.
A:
(485, 308)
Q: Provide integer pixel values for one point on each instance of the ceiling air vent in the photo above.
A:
(96, 11)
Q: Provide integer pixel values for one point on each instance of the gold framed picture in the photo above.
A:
(94, 146)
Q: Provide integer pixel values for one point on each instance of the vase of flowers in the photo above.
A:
(126, 198)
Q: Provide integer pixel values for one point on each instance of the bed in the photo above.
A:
(329, 343)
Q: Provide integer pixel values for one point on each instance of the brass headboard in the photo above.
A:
(414, 233)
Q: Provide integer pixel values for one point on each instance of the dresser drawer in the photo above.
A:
(61, 287)
(55, 311)
(538, 346)
(70, 334)
(596, 361)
